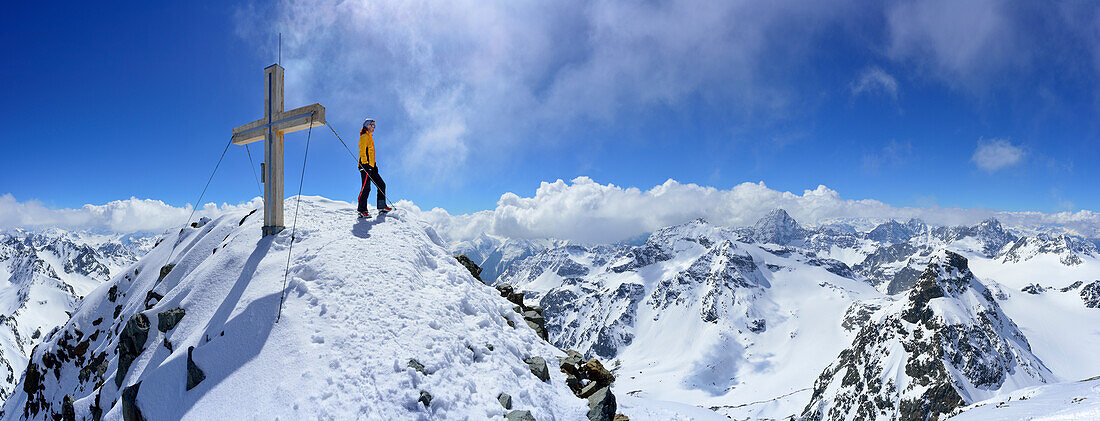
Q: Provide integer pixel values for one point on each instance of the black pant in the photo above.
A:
(369, 174)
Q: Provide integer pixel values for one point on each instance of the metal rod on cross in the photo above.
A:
(271, 129)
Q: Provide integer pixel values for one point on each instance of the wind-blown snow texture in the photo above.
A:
(1079, 400)
(364, 297)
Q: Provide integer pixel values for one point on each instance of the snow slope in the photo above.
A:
(363, 298)
(1078, 400)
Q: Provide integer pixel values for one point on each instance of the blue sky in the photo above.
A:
(985, 105)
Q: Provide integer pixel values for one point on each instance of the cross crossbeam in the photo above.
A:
(270, 129)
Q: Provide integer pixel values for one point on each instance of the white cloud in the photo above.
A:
(586, 211)
(875, 80)
(996, 154)
(120, 216)
(579, 210)
(462, 76)
(962, 43)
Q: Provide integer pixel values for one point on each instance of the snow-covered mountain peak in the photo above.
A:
(379, 322)
(945, 345)
(890, 232)
(777, 227)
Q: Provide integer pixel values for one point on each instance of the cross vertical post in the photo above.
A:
(273, 152)
(270, 129)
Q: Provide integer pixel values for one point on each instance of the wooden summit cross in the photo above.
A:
(270, 129)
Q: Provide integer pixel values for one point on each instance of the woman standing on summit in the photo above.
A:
(368, 171)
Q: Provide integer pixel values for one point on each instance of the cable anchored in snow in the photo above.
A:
(198, 202)
(294, 225)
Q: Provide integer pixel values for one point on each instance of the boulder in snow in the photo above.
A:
(130, 344)
(538, 368)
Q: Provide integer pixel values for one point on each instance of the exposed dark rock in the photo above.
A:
(1090, 294)
(246, 216)
(112, 294)
(601, 405)
(516, 298)
(857, 315)
(505, 400)
(470, 266)
(32, 380)
(504, 289)
(518, 415)
(130, 410)
(97, 412)
(68, 413)
(1034, 289)
(164, 271)
(758, 325)
(152, 298)
(538, 368)
(194, 373)
(1071, 287)
(416, 365)
(168, 319)
(130, 344)
(425, 398)
(584, 378)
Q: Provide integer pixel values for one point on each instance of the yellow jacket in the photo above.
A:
(366, 149)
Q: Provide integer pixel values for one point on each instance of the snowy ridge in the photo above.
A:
(1078, 400)
(201, 342)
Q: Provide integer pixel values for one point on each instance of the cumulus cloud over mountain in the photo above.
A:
(123, 216)
(580, 210)
(586, 211)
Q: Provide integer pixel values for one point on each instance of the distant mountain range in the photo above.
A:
(45, 274)
(777, 320)
(897, 320)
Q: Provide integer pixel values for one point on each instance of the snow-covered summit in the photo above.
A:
(777, 227)
(948, 344)
(378, 316)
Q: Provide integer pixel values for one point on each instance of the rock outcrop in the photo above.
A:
(947, 345)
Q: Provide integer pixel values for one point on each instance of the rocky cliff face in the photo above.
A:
(777, 227)
(948, 344)
(1069, 250)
